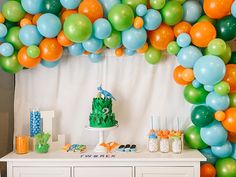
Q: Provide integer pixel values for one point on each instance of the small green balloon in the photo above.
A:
(172, 13)
(134, 3)
(13, 37)
(222, 88)
(173, 48)
(52, 6)
(226, 167)
(233, 58)
(77, 28)
(195, 95)
(114, 40)
(33, 51)
(205, 18)
(13, 11)
(193, 139)
(157, 4)
(121, 17)
(153, 56)
(216, 46)
(232, 97)
(10, 64)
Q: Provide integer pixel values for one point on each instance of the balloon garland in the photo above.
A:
(37, 31)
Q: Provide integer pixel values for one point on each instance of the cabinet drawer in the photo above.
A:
(103, 172)
(41, 172)
(164, 171)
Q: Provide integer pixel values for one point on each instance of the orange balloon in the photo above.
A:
(232, 137)
(220, 115)
(92, 9)
(35, 18)
(217, 8)
(182, 27)
(66, 14)
(2, 19)
(188, 75)
(178, 75)
(25, 60)
(50, 49)
(202, 33)
(230, 122)
(207, 170)
(230, 76)
(119, 52)
(28, 16)
(25, 21)
(161, 37)
(138, 22)
(63, 40)
(86, 52)
(143, 49)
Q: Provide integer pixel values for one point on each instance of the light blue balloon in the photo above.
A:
(217, 102)
(233, 9)
(234, 151)
(70, 4)
(3, 30)
(95, 58)
(29, 35)
(192, 11)
(209, 88)
(152, 20)
(49, 25)
(211, 158)
(196, 84)
(107, 5)
(76, 49)
(188, 56)
(133, 38)
(222, 151)
(6, 49)
(93, 44)
(32, 6)
(141, 10)
(129, 52)
(214, 134)
(184, 40)
(48, 64)
(102, 28)
(209, 70)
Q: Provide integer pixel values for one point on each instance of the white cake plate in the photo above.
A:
(99, 148)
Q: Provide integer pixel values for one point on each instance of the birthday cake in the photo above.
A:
(102, 115)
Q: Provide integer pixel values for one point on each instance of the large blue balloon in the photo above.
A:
(6, 49)
(102, 28)
(222, 151)
(188, 56)
(49, 25)
(107, 5)
(214, 134)
(48, 64)
(95, 58)
(29, 35)
(152, 19)
(76, 49)
(209, 70)
(93, 44)
(133, 38)
(192, 11)
(233, 155)
(183, 40)
(70, 4)
(233, 9)
(3, 30)
(217, 102)
(211, 158)
(32, 6)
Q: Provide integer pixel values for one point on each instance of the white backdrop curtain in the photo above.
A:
(141, 90)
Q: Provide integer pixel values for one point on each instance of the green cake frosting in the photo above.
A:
(102, 115)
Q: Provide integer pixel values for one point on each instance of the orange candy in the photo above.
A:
(27, 61)
(50, 49)
(119, 52)
(220, 115)
(188, 75)
(66, 14)
(230, 76)
(35, 18)
(2, 19)
(202, 33)
(230, 122)
(161, 37)
(138, 22)
(143, 49)
(208, 170)
(22, 144)
(178, 75)
(63, 40)
(182, 27)
(92, 9)
(25, 21)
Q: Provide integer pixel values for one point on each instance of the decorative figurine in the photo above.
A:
(105, 93)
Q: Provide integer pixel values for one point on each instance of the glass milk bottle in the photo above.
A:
(176, 144)
(153, 143)
(164, 144)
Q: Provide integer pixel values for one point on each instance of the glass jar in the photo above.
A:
(153, 143)
(164, 144)
(22, 144)
(35, 122)
(176, 145)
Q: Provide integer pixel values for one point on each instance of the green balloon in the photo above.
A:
(232, 97)
(173, 48)
(157, 4)
(13, 37)
(193, 139)
(222, 88)
(180, 1)
(13, 11)
(77, 28)
(202, 115)
(52, 6)
(195, 95)
(217, 46)
(33, 51)
(153, 55)
(226, 167)
(134, 3)
(114, 40)
(172, 13)
(10, 64)
(205, 18)
(233, 58)
(121, 17)
(226, 28)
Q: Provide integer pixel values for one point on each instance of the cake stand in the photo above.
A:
(101, 131)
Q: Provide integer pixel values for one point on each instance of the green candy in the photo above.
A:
(153, 56)
(10, 64)
(173, 48)
(195, 95)
(226, 167)
(217, 47)
(114, 40)
(134, 3)
(232, 98)
(52, 6)
(33, 51)
(13, 37)
(222, 88)
(13, 11)
(157, 4)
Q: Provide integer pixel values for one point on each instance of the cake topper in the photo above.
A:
(105, 93)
